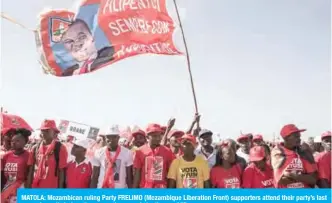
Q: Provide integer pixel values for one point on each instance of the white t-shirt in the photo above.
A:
(211, 159)
(125, 159)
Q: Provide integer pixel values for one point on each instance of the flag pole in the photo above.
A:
(187, 55)
(1, 122)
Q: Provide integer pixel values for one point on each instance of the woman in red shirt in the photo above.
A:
(258, 173)
(226, 173)
(14, 165)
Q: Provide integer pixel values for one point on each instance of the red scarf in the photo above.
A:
(109, 179)
(42, 170)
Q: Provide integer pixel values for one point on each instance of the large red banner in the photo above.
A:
(103, 32)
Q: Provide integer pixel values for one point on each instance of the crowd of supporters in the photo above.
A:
(161, 157)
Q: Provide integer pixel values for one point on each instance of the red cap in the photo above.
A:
(224, 143)
(257, 153)
(138, 132)
(242, 137)
(154, 128)
(326, 134)
(258, 138)
(290, 129)
(190, 138)
(49, 124)
(176, 133)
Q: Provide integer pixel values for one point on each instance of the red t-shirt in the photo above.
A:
(323, 161)
(285, 160)
(253, 177)
(154, 169)
(79, 175)
(226, 178)
(15, 166)
(51, 181)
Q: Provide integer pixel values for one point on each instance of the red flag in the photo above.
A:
(102, 33)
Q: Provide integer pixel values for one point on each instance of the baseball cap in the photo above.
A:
(154, 128)
(242, 137)
(326, 134)
(257, 153)
(177, 133)
(258, 138)
(138, 132)
(82, 143)
(205, 132)
(110, 130)
(290, 129)
(49, 124)
(189, 138)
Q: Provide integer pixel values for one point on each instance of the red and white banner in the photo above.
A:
(103, 32)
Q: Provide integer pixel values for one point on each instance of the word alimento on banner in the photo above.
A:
(103, 32)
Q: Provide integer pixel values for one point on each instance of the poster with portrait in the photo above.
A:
(101, 33)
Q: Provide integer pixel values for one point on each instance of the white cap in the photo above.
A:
(317, 139)
(113, 130)
(82, 143)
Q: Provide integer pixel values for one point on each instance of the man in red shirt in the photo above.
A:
(293, 167)
(79, 171)
(152, 161)
(323, 161)
(47, 160)
(139, 139)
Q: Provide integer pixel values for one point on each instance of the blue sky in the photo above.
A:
(257, 65)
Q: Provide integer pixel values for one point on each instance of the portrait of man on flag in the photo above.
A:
(79, 41)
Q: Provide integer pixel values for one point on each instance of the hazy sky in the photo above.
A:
(257, 65)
